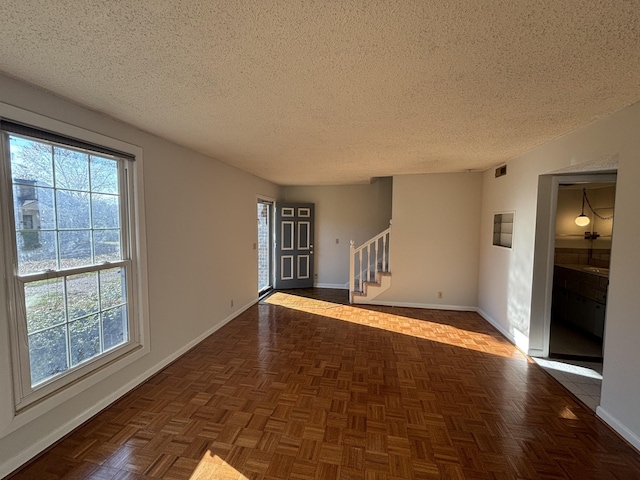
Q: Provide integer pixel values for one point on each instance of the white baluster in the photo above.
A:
(375, 272)
(385, 267)
(361, 272)
(352, 279)
(389, 253)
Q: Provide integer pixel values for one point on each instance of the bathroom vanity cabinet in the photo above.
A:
(580, 297)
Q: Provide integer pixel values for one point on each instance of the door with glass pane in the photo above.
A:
(264, 245)
(294, 245)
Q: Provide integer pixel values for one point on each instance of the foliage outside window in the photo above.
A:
(71, 257)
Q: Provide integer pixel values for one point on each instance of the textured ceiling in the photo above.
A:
(336, 91)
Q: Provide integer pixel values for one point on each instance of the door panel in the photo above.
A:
(294, 245)
(303, 266)
(287, 229)
(304, 241)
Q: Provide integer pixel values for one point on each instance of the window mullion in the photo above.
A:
(100, 316)
(93, 249)
(55, 206)
(34, 277)
(66, 321)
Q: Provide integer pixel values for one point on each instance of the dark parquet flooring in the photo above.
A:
(302, 386)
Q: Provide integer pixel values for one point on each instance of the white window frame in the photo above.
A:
(29, 403)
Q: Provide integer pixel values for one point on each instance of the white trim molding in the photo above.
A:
(618, 427)
(11, 420)
(429, 306)
(341, 286)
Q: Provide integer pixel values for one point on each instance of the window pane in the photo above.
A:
(105, 211)
(84, 336)
(114, 325)
(75, 248)
(45, 304)
(31, 161)
(82, 295)
(33, 207)
(104, 175)
(107, 245)
(71, 168)
(73, 209)
(48, 353)
(37, 252)
(112, 288)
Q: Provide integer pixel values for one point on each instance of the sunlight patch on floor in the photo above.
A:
(568, 414)
(568, 368)
(434, 331)
(214, 467)
(584, 381)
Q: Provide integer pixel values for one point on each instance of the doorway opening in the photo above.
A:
(582, 253)
(265, 246)
(570, 278)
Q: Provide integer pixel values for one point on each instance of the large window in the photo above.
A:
(70, 257)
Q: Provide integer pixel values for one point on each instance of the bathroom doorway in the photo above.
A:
(582, 253)
(559, 243)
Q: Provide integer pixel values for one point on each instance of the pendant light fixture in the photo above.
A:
(582, 220)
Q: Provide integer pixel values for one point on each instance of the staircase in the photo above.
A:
(369, 273)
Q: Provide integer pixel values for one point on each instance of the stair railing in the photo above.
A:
(367, 260)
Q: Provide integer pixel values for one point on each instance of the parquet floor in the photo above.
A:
(307, 387)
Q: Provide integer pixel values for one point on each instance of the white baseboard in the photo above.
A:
(535, 352)
(341, 286)
(47, 440)
(623, 431)
(520, 340)
(496, 325)
(430, 306)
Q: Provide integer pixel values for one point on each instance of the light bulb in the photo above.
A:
(582, 220)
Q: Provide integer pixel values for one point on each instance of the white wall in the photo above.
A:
(620, 404)
(201, 226)
(343, 212)
(434, 242)
(506, 276)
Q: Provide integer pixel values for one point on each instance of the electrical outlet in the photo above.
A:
(315, 276)
(231, 303)
(439, 294)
